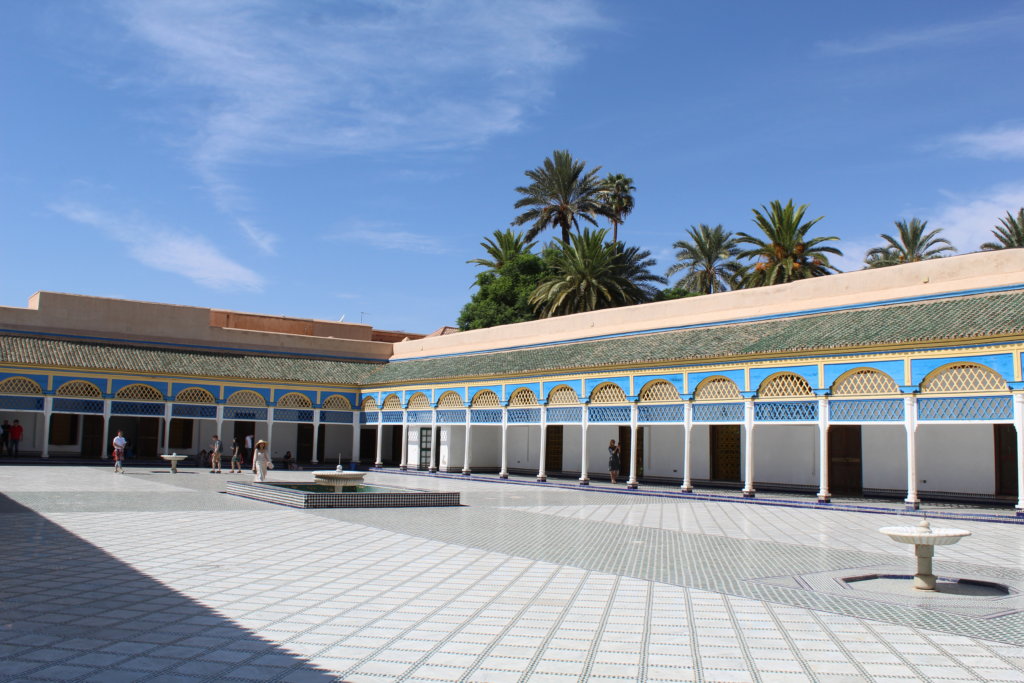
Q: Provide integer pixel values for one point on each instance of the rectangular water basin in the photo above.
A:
(299, 495)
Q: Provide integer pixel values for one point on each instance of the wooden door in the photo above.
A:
(845, 471)
(368, 445)
(92, 436)
(1006, 460)
(321, 437)
(725, 452)
(303, 442)
(425, 446)
(148, 444)
(625, 444)
(242, 429)
(396, 445)
(553, 454)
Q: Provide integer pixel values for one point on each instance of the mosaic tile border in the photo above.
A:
(311, 500)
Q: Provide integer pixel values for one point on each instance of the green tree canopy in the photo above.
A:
(562, 193)
(505, 246)
(707, 260)
(911, 244)
(503, 293)
(1010, 234)
(785, 253)
(618, 200)
(586, 274)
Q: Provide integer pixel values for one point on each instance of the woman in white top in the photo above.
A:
(260, 461)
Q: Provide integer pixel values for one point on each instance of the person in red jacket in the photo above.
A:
(15, 438)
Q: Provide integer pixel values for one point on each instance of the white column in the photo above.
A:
(316, 435)
(687, 486)
(748, 451)
(106, 430)
(220, 423)
(379, 462)
(168, 416)
(404, 462)
(47, 412)
(1018, 423)
(433, 439)
(823, 493)
(469, 425)
(504, 442)
(357, 433)
(584, 423)
(910, 423)
(632, 483)
(542, 474)
(270, 432)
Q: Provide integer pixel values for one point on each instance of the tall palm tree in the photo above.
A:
(587, 274)
(502, 248)
(785, 253)
(560, 195)
(707, 260)
(1010, 234)
(911, 245)
(618, 200)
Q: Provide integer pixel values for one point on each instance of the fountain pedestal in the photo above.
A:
(924, 539)
(338, 478)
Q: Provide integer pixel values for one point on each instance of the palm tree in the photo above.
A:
(708, 260)
(502, 248)
(1010, 234)
(587, 274)
(913, 244)
(786, 254)
(560, 195)
(618, 200)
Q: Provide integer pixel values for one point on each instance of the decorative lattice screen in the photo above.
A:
(522, 398)
(419, 402)
(20, 385)
(245, 397)
(486, 399)
(450, 399)
(784, 386)
(139, 392)
(369, 403)
(392, 403)
(961, 378)
(864, 383)
(608, 393)
(563, 396)
(79, 389)
(717, 389)
(294, 400)
(336, 402)
(659, 391)
(194, 395)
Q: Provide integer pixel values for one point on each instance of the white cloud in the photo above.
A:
(927, 37)
(967, 220)
(261, 238)
(176, 252)
(400, 240)
(1004, 141)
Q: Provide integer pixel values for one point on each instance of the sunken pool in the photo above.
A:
(299, 495)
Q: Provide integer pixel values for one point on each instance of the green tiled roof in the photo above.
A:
(95, 356)
(947, 319)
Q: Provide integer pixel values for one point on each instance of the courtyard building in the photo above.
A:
(903, 381)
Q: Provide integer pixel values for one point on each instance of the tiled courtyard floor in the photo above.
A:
(153, 576)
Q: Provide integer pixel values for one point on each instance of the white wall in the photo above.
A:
(958, 458)
(786, 454)
(485, 446)
(700, 458)
(884, 457)
(663, 451)
(524, 447)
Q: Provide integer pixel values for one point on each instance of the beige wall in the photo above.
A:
(958, 273)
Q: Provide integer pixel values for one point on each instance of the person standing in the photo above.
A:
(236, 456)
(248, 446)
(614, 460)
(261, 461)
(216, 449)
(5, 438)
(119, 443)
(15, 438)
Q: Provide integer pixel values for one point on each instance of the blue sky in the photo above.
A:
(321, 159)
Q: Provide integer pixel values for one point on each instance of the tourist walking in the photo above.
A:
(614, 459)
(15, 438)
(261, 461)
(237, 460)
(119, 443)
(216, 448)
(5, 438)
